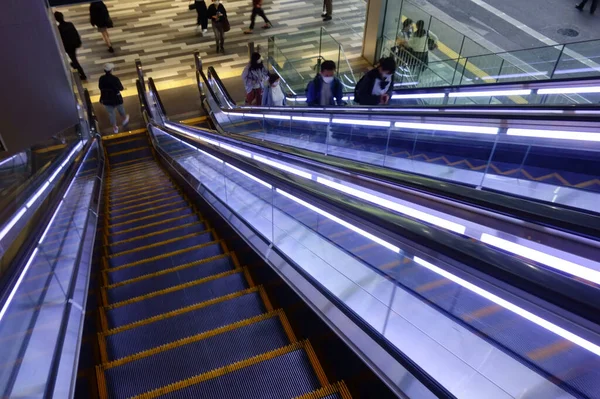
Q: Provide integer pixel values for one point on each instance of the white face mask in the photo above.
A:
(260, 60)
(217, 2)
(327, 79)
(386, 76)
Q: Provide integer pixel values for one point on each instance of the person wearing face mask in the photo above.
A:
(218, 15)
(325, 89)
(375, 87)
(253, 76)
(273, 96)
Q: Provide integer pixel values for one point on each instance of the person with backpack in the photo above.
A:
(421, 42)
(100, 18)
(110, 96)
(273, 96)
(258, 10)
(218, 15)
(254, 75)
(376, 86)
(325, 89)
(71, 41)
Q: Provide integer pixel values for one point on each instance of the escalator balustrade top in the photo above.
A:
(179, 315)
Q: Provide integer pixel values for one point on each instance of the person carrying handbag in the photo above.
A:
(218, 15)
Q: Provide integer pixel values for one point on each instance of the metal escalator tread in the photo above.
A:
(134, 242)
(186, 361)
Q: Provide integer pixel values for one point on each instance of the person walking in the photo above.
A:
(218, 15)
(258, 10)
(420, 43)
(325, 89)
(328, 10)
(110, 96)
(253, 76)
(202, 11)
(273, 96)
(100, 18)
(71, 41)
(584, 2)
(376, 86)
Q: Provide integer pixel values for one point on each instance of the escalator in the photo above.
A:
(180, 314)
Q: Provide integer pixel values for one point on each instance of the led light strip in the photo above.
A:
(342, 222)
(570, 90)
(437, 221)
(512, 307)
(490, 93)
(362, 122)
(554, 134)
(447, 128)
(283, 167)
(422, 95)
(19, 281)
(256, 179)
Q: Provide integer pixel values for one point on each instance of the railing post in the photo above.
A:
(140, 72)
(198, 63)
(562, 50)
(250, 50)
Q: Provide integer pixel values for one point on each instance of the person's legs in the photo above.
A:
(581, 5)
(222, 37)
(258, 96)
(250, 97)
(594, 6)
(261, 12)
(123, 114)
(253, 17)
(112, 117)
(329, 8)
(216, 32)
(106, 38)
(75, 64)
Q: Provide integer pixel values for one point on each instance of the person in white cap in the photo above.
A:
(110, 96)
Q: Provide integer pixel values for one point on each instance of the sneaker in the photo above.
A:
(327, 19)
(323, 15)
(248, 31)
(579, 7)
(111, 50)
(126, 120)
(115, 129)
(204, 31)
(267, 26)
(223, 50)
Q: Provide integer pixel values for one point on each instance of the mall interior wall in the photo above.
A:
(36, 98)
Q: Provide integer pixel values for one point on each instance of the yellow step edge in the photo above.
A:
(128, 208)
(165, 255)
(148, 209)
(139, 201)
(140, 194)
(180, 311)
(110, 226)
(190, 340)
(124, 175)
(51, 148)
(119, 165)
(138, 184)
(172, 289)
(167, 271)
(318, 369)
(192, 121)
(336, 387)
(151, 224)
(129, 151)
(154, 234)
(144, 165)
(124, 134)
(223, 370)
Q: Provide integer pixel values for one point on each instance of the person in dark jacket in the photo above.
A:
(217, 13)
(325, 89)
(71, 41)
(100, 18)
(376, 86)
(110, 96)
(258, 10)
(202, 11)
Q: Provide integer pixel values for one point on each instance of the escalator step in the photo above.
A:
(150, 248)
(154, 227)
(128, 144)
(147, 211)
(165, 261)
(141, 200)
(157, 217)
(185, 323)
(130, 154)
(142, 184)
(337, 390)
(282, 374)
(125, 210)
(145, 286)
(176, 299)
(172, 232)
(173, 364)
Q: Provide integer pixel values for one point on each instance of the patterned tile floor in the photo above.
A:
(162, 33)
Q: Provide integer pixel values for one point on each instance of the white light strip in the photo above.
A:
(286, 168)
(342, 222)
(513, 308)
(12, 222)
(8, 159)
(491, 93)
(254, 115)
(448, 128)
(422, 95)
(348, 98)
(575, 70)
(570, 90)
(362, 122)
(280, 117)
(543, 258)
(50, 223)
(236, 150)
(37, 194)
(16, 287)
(554, 134)
(209, 155)
(51, 179)
(297, 99)
(437, 221)
(256, 179)
(310, 119)
(516, 111)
